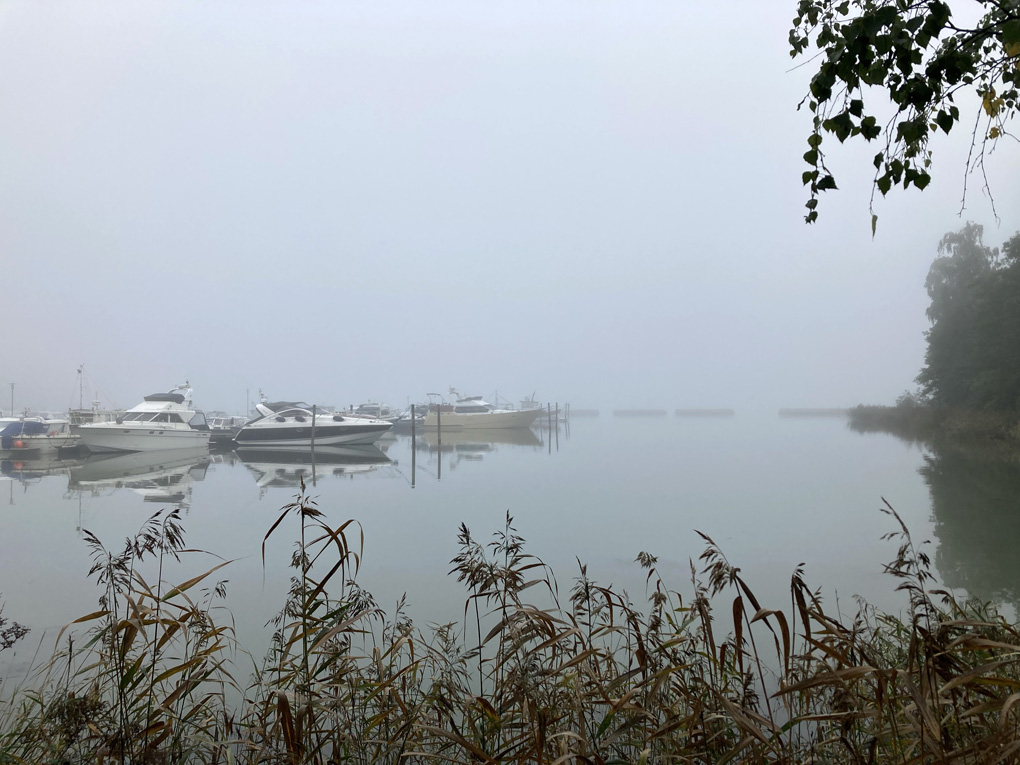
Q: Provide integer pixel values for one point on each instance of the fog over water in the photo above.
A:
(597, 201)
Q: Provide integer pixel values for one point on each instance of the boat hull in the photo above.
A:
(482, 420)
(113, 437)
(40, 445)
(289, 436)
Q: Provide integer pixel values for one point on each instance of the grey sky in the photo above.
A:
(340, 201)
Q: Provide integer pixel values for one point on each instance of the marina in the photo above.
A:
(574, 493)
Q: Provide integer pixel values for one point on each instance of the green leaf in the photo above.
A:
(826, 183)
(869, 128)
(811, 157)
(1010, 34)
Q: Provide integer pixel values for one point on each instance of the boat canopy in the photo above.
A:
(23, 428)
(175, 398)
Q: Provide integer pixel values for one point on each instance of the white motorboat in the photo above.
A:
(474, 412)
(293, 424)
(37, 436)
(376, 411)
(162, 421)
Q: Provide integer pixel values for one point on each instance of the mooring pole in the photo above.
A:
(313, 444)
(414, 447)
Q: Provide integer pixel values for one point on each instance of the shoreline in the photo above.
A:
(938, 426)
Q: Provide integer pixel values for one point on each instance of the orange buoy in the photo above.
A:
(19, 444)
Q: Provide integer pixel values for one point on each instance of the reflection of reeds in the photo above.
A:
(527, 677)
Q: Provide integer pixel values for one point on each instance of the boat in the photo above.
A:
(475, 412)
(95, 413)
(295, 424)
(36, 437)
(375, 411)
(162, 421)
(223, 428)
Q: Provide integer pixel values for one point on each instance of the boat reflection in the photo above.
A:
(478, 440)
(159, 476)
(286, 468)
(30, 471)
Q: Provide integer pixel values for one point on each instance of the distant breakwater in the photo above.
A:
(813, 412)
(704, 413)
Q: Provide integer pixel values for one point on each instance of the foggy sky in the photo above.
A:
(344, 201)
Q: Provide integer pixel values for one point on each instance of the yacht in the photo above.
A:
(162, 421)
(288, 424)
(474, 412)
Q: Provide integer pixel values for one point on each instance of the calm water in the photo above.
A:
(771, 492)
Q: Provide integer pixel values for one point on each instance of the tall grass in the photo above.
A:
(528, 675)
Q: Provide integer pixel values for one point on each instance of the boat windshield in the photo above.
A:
(470, 408)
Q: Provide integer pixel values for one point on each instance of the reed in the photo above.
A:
(527, 675)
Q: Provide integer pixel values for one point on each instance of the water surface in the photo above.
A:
(772, 492)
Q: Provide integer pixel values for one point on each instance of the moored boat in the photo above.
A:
(162, 421)
(223, 428)
(375, 411)
(36, 437)
(475, 412)
(295, 424)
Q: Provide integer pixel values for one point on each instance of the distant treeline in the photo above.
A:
(973, 356)
(970, 384)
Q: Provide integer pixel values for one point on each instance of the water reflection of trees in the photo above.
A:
(975, 497)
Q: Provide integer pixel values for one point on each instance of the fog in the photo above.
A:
(342, 201)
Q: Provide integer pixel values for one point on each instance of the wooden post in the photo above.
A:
(313, 444)
(439, 438)
(414, 449)
(548, 410)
